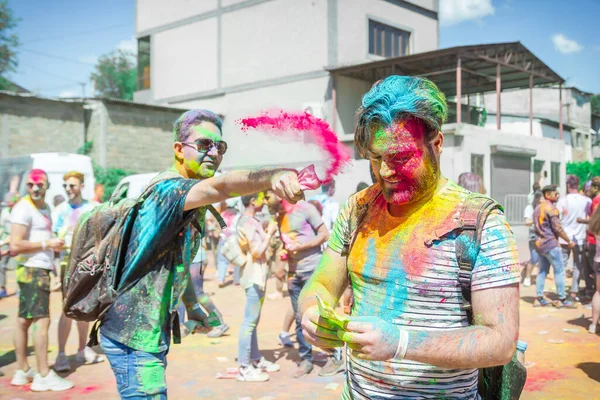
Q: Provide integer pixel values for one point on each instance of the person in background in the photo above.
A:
(534, 255)
(10, 199)
(303, 232)
(31, 240)
(592, 190)
(572, 208)
(98, 193)
(330, 208)
(472, 182)
(231, 216)
(254, 243)
(534, 189)
(68, 214)
(548, 230)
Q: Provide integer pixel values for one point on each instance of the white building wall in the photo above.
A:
(184, 59)
(151, 14)
(456, 154)
(272, 39)
(353, 38)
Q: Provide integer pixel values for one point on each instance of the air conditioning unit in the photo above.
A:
(314, 109)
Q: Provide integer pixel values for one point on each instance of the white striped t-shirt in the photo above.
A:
(396, 277)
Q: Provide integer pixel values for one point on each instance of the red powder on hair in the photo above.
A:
(279, 122)
(37, 175)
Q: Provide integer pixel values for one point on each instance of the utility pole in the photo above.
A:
(82, 89)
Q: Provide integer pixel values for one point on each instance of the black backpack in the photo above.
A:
(98, 252)
(469, 225)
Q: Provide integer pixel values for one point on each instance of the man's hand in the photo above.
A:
(582, 221)
(285, 185)
(55, 244)
(571, 244)
(371, 338)
(272, 228)
(195, 313)
(293, 247)
(318, 331)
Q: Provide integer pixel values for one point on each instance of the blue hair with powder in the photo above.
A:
(191, 118)
(398, 98)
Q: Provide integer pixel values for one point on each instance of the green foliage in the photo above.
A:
(9, 41)
(584, 170)
(116, 75)
(110, 178)
(595, 100)
(86, 149)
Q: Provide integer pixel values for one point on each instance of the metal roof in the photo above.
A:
(478, 65)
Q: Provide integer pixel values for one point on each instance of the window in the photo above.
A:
(387, 41)
(477, 165)
(555, 173)
(538, 166)
(143, 63)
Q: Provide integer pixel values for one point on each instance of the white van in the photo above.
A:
(14, 170)
(133, 185)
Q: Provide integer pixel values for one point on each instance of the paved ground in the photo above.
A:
(568, 370)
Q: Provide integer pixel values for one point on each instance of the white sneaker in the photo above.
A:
(267, 366)
(591, 329)
(51, 382)
(251, 374)
(527, 282)
(89, 356)
(62, 363)
(21, 377)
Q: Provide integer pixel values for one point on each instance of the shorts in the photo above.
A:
(534, 255)
(34, 292)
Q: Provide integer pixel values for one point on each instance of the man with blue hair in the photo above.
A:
(136, 331)
(409, 334)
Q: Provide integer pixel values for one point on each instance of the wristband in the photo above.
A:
(402, 345)
(44, 245)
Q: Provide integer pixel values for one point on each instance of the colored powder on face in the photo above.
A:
(281, 123)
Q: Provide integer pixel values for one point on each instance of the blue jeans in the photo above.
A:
(295, 284)
(248, 343)
(554, 258)
(139, 375)
(223, 266)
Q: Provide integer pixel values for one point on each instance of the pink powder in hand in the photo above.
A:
(308, 178)
(282, 123)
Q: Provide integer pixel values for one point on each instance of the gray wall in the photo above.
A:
(30, 124)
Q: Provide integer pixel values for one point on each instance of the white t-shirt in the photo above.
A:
(571, 207)
(39, 229)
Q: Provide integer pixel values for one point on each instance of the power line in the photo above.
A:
(51, 74)
(75, 35)
(56, 57)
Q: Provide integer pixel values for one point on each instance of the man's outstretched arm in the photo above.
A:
(284, 182)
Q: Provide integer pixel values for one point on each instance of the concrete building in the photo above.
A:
(124, 134)
(238, 57)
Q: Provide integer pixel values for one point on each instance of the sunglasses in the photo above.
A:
(204, 145)
(70, 186)
(30, 185)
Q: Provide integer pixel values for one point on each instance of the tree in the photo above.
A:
(9, 41)
(115, 75)
(595, 99)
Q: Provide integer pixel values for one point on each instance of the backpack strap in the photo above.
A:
(357, 215)
(472, 217)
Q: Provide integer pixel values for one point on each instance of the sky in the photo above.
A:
(62, 39)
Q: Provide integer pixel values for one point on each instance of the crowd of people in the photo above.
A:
(560, 230)
(430, 299)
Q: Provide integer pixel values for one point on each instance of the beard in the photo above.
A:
(412, 189)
